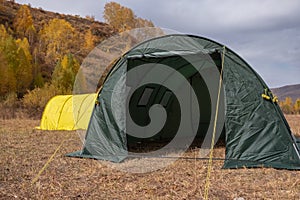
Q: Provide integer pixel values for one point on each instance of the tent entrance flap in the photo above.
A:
(146, 96)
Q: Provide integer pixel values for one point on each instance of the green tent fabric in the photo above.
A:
(256, 132)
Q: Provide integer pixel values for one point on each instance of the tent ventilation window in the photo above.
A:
(166, 98)
(144, 100)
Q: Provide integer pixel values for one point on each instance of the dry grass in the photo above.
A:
(25, 151)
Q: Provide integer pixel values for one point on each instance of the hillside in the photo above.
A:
(40, 17)
(41, 52)
(292, 91)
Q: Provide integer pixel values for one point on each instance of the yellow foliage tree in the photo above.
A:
(18, 59)
(139, 23)
(89, 40)
(23, 23)
(3, 33)
(8, 81)
(2, 5)
(287, 105)
(297, 106)
(24, 44)
(58, 38)
(8, 62)
(23, 72)
(119, 17)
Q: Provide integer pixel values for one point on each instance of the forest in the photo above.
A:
(41, 52)
(288, 106)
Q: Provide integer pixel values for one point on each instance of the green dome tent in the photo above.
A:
(256, 132)
(68, 112)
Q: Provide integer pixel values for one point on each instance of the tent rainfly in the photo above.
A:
(256, 132)
(68, 112)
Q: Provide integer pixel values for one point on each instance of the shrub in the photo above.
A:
(35, 101)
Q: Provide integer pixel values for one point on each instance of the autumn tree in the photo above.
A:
(119, 17)
(58, 38)
(2, 5)
(8, 61)
(287, 105)
(18, 58)
(24, 45)
(297, 106)
(23, 24)
(90, 17)
(89, 40)
(3, 35)
(38, 80)
(123, 18)
(140, 22)
(8, 82)
(23, 71)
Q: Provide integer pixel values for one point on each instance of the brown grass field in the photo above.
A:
(25, 151)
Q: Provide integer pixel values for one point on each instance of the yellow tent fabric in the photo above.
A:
(68, 112)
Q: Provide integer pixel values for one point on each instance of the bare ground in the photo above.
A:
(25, 151)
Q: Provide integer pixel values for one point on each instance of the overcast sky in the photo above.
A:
(266, 33)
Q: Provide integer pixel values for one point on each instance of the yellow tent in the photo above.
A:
(68, 112)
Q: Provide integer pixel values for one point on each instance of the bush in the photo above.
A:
(35, 101)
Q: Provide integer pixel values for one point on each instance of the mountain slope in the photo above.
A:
(292, 91)
(40, 17)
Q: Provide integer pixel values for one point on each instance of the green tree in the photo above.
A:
(65, 73)
(23, 24)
